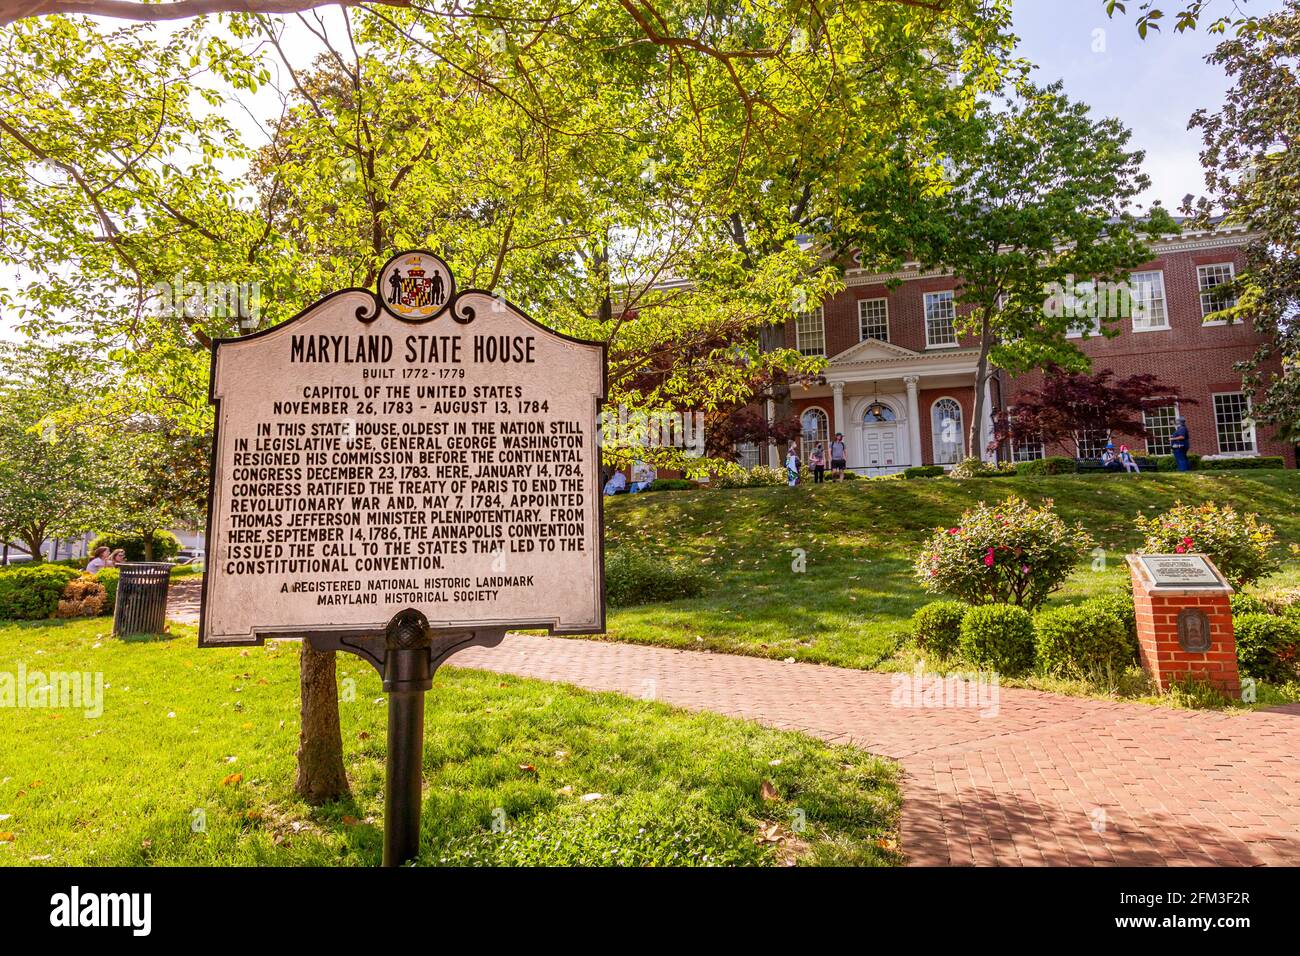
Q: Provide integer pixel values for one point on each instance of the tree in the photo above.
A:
(574, 158)
(52, 479)
(1040, 194)
(1070, 405)
(1252, 170)
(160, 480)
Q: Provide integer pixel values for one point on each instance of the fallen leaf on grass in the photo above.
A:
(7, 837)
(590, 797)
(350, 821)
(232, 779)
(364, 735)
(768, 792)
(527, 768)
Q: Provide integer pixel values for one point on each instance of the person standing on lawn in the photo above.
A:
(839, 457)
(792, 466)
(1181, 443)
(818, 462)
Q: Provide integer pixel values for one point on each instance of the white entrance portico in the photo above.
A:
(876, 390)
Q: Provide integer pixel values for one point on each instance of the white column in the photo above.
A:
(774, 454)
(913, 419)
(837, 396)
(986, 423)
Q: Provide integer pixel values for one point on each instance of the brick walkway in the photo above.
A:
(1048, 780)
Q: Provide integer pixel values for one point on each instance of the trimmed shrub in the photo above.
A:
(1230, 464)
(923, 471)
(1247, 604)
(1240, 545)
(672, 484)
(759, 476)
(1052, 465)
(1007, 553)
(165, 545)
(82, 597)
(1081, 640)
(1167, 462)
(637, 577)
(109, 577)
(937, 626)
(33, 593)
(1268, 646)
(998, 636)
(1120, 603)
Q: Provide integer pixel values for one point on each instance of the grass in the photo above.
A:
(851, 603)
(192, 759)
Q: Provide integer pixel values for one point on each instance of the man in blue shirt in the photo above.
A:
(1181, 442)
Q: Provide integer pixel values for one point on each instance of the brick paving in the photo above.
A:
(1046, 780)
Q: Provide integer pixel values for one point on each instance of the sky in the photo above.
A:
(1153, 86)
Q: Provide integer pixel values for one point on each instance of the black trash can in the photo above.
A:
(141, 598)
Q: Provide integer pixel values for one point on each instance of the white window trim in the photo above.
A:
(1164, 298)
(1178, 413)
(820, 312)
(934, 438)
(955, 343)
(861, 337)
(1232, 275)
(1254, 436)
(830, 435)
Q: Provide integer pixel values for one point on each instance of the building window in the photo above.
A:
(1027, 449)
(1091, 442)
(1148, 297)
(1211, 280)
(873, 319)
(815, 429)
(1232, 423)
(878, 413)
(1160, 424)
(1084, 310)
(810, 332)
(940, 320)
(947, 436)
(748, 455)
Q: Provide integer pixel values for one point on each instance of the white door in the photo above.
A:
(880, 448)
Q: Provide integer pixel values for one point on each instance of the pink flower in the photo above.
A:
(1187, 541)
(988, 558)
(1024, 569)
(954, 530)
(1180, 549)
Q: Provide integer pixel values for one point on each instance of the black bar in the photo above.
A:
(408, 673)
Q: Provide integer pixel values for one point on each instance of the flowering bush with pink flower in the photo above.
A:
(1240, 545)
(1011, 552)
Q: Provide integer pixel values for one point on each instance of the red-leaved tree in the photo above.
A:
(1069, 405)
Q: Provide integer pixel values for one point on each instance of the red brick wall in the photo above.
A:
(1198, 359)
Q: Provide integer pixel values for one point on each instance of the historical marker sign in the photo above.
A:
(419, 449)
(1181, 571)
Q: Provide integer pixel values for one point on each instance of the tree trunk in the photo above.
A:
(981, 383)
(321, 776)
(148, 546)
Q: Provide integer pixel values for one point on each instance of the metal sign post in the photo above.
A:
(398, 474)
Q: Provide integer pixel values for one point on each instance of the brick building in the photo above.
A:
(900, 381)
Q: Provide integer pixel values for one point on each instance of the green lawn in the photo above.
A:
(191, 736)
(851, 606)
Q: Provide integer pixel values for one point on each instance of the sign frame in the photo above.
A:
(462, 313)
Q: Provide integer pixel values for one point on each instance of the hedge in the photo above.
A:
(672, 484)
(923, 471)
(1225, 464)
(1083, 640)
(33, 593)
(1052, 465)
(937, 626)
(638, 577)
(1267, 645)
(1000, 636)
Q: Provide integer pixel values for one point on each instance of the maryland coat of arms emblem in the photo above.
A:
(416, 286)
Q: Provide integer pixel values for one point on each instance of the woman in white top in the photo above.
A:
(100, 561)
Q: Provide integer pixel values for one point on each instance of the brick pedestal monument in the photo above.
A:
(1184, 620)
